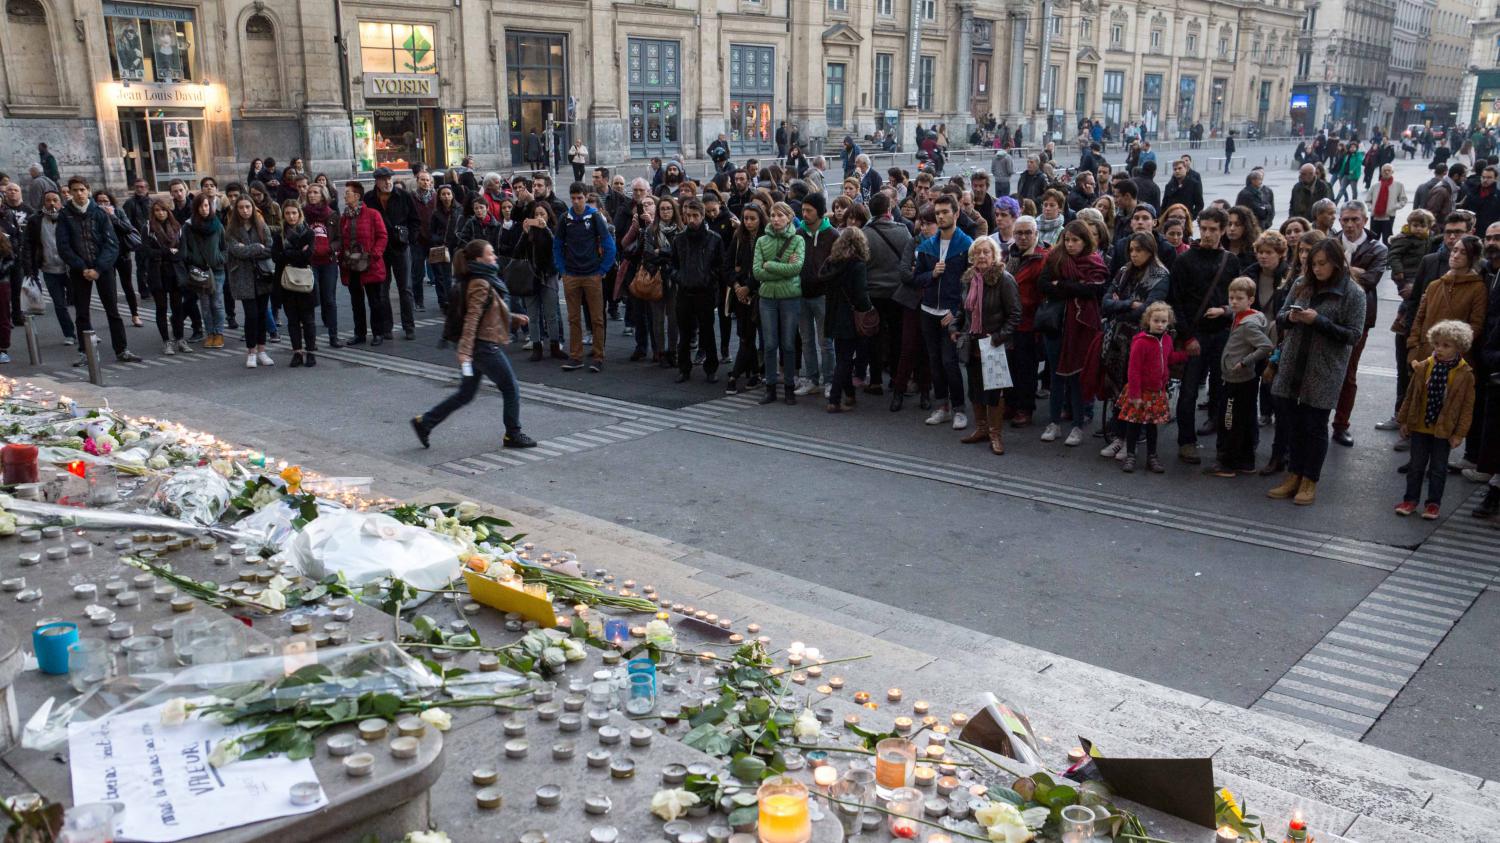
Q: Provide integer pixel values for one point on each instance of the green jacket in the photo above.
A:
(1354, 163)
(778, 264)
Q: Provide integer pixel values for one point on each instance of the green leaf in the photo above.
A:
(1058, 796)
(748, 768)
(1005, 794)
(758, 709)
(301, 745)
(386, 705)
(743, 816)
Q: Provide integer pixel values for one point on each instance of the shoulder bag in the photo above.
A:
(355, 259)
(1049, 314)
(437, 254)
(297, 279)
(200, 279)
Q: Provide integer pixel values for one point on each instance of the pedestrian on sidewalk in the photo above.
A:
(1436, 414)
(578, 156)
(485, 330)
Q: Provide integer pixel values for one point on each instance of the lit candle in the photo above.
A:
(736, 638)
(861, 697)
(893, 695)
(851, 719)
(946, 785)
(920, 708)
(929, 721)
(925, 776)
(1226, 835)
(939, 837)
(825, 689)
(872, 705)
(753, 628)
(815, 670)
(903, 725)
(800, 678)
(794, 659)
(825, 777)
(959, 719)
(933, 752)
(784, 816)
(1296, 830)
(836, 682)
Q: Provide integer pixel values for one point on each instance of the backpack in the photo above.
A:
(322, 250)
(453, 320)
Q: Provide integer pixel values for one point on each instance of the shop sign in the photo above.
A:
(391, 86)
(146, 93)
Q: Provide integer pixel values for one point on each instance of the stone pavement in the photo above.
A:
(1348, 790)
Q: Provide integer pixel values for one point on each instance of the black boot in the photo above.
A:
(422, 430)
(897, 399)
(1488, 507)
(770, 396)
(924, 401)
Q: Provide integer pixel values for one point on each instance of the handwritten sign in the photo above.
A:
(162, 774)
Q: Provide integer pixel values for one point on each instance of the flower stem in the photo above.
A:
(953, 831)
(984, 755)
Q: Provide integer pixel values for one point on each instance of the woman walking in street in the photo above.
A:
(578, 156)
(1384, 198)
(1323, 318)
(162, 272)
(777, 271)
(487, 324)
(299, 291)
(250, 273)
(203, 255)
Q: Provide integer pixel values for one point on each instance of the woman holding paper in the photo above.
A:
(990, 316)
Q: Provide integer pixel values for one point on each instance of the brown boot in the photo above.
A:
(997, 412)
(981, 430)
(1307, 492)
(1287, 488)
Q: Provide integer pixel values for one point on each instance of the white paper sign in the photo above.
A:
(994, 365)
(162, 775)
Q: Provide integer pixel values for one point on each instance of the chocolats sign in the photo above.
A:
(387, 86)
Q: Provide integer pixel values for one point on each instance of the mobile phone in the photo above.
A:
(1296, 307)
(467, 368)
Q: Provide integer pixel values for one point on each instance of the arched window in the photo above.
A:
(260, 64)
(30, 56)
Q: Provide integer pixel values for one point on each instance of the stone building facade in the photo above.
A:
(1344, 65)
(185, 88)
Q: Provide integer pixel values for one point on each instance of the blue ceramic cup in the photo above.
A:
(51, 642)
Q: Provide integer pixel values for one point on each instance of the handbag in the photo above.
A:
(437, 254)
(520, 278)
(200, 279)
(355, 259)
(1049, 316)
(1177, 370)
(646, 285)
(867, 322)
(297, 279)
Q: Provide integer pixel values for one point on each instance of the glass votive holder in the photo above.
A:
(905, 805)
(187, 631)
(143, 654)
(89, 663)
(785, 816)
(1077, 824)
(848, 798)
(640, 694)
(895, 761)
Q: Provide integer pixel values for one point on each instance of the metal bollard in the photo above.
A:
(90, 344)
(33, 348)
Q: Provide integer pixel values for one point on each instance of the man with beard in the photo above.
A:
(698, 254)
(1308, 189)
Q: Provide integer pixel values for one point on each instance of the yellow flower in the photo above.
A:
(1231, 803)
(292, 474)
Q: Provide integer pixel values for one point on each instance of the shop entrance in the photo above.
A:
(398, 137)
(159, 145)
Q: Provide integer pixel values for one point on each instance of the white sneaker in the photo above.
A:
(265, 359)
(940, 415)
(529, 345)
(960, 421)
(168, 349)
(805, 387)
(1462, 464)
(1049, 433)
(250, 360)
(1476, 476)
(1075, 437)
(183, 347)
(1113, 448)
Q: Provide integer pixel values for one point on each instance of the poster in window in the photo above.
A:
(179, 145)
(454, 137)
(168, 50)
(129, 56)
(364, 142)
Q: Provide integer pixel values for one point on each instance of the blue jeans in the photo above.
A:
(778, 335)
(490, 362)
(216, 303)
(1067, 391)
(57, 288)
(545, 313)
(817, 348)
(327, 277)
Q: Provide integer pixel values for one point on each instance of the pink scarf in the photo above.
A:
(975, 303)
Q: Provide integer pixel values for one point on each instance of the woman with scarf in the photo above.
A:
(486, 331)
(442, 232)
(162, 273)
(1049, 225)
(250, 272)
(742, 303)
(656, 255)
(362, 233)
(1072, 279)
(843, 278)
(1142, 281)
(329, 194)
(322, 218)
(1384, 198)
(991, 314)
(294, 252)
(267, 204)
(480, 226)
(203, 250)
(542, 303)
(124, 232)
(1240, 236)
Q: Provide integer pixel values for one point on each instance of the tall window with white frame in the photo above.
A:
(929, 10)
(884, 62)
(926, 73)
(838, 5)
(885, 8)
(834, 94)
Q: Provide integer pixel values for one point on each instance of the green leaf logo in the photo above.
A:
(418, 48)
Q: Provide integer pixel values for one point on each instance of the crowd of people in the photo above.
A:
(1072, 298)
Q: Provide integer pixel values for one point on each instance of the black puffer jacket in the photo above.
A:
(698, 258)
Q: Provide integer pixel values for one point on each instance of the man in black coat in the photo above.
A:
(1198, 291)
(1146, 188)
(400, 216)
(698, 258)
(1183, 189)
(87, 243)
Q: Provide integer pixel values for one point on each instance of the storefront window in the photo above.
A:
(455, 138)
(397, 48)
(160, 145)
(151, 43)
(399, 136)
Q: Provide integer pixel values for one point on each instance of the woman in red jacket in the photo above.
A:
(361, 255)
(1075, 275)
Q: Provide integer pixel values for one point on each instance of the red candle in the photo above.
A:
(20, 463)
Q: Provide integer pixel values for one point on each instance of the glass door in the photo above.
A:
(135, 148)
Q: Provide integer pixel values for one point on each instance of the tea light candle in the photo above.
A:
(794, 659)
(569, 723)
(341, 745)
(85, 591)
(800, 678)
(405, 747)
(484, 776)
(548, 711)
(359, 765)
(489, 663)
(920, 708)
(609, 735)
(946, 785)
(181, 605)
(563, 750)
(621, 768)
(959, 719)
(736, 639)
(925, 777)
(673, 774)
(1226, 835)
(872, 705)
(597, 804)
(489, 798)
(939, 837)
(411, 727)
(851, 719)
(929, 721)
(861, 697)
(514, 727)
(903, 725)
(373, 729)
(824, 689)
(516, 749)
(825, 777)
(548, 795)
(978, 791)
(1296, 828)
(815, 671)
(893, 695)
(641, 736)
(306, 793)
(29, 559)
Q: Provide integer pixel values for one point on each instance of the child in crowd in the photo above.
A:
(1248, 344)
(1145, 402)
(1436, 413)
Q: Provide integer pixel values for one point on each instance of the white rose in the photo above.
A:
(279, 583)
(573, 650)
(129, 436)
(225, 753)
(175, 712)
(1036, 817)
(807, 725)
(466, 511)
(264, 497)
(437, 719)
(434, 513)
(554, 657)
(426, 837)
(660, 633)
(671, 804)
(1003, 823)
(7, 523)
(271, 599)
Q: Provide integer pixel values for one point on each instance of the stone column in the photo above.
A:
(960, 118)
(608, 135)
(711, 51)
(807, 103)
(1015, 94)
(326, 134)
(482, 99)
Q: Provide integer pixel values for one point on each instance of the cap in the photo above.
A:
(383, 172)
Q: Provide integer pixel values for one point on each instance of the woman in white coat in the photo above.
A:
(1384, 198)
